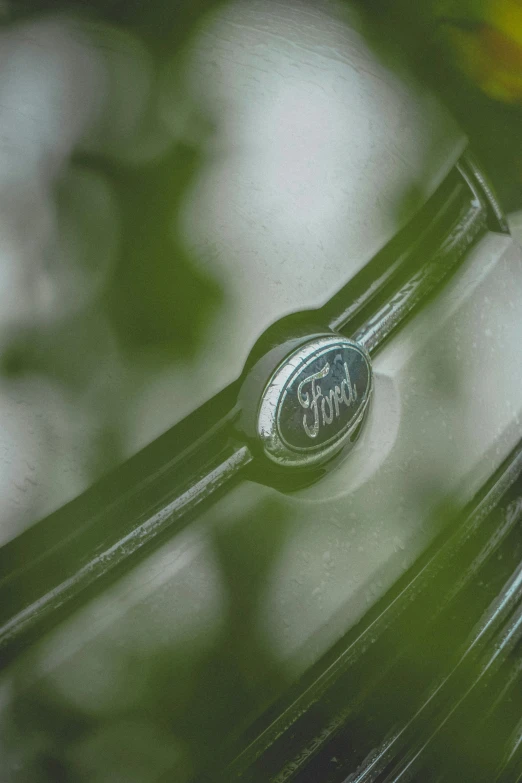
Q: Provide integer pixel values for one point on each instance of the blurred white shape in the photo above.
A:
(51, 88)
(51, 83)
(53, 256)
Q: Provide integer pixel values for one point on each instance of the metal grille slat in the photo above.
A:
(308, 743)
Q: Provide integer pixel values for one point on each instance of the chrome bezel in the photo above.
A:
(273, 397)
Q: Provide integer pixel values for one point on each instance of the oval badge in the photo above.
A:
(315, 401)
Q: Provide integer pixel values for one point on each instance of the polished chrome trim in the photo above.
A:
(126, 546)
(498, 219)
(413, 247)
(374, 332)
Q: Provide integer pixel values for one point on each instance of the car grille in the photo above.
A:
(60, 560)
(427, 686)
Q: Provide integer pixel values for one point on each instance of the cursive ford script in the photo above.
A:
(323, 407)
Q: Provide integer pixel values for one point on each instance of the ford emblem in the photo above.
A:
(315, 401)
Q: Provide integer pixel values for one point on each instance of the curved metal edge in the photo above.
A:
(478, 511)
(110, 558)
(502, 641)
(407, 250)
(498, 221)
(510, 768)
(392, 314)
